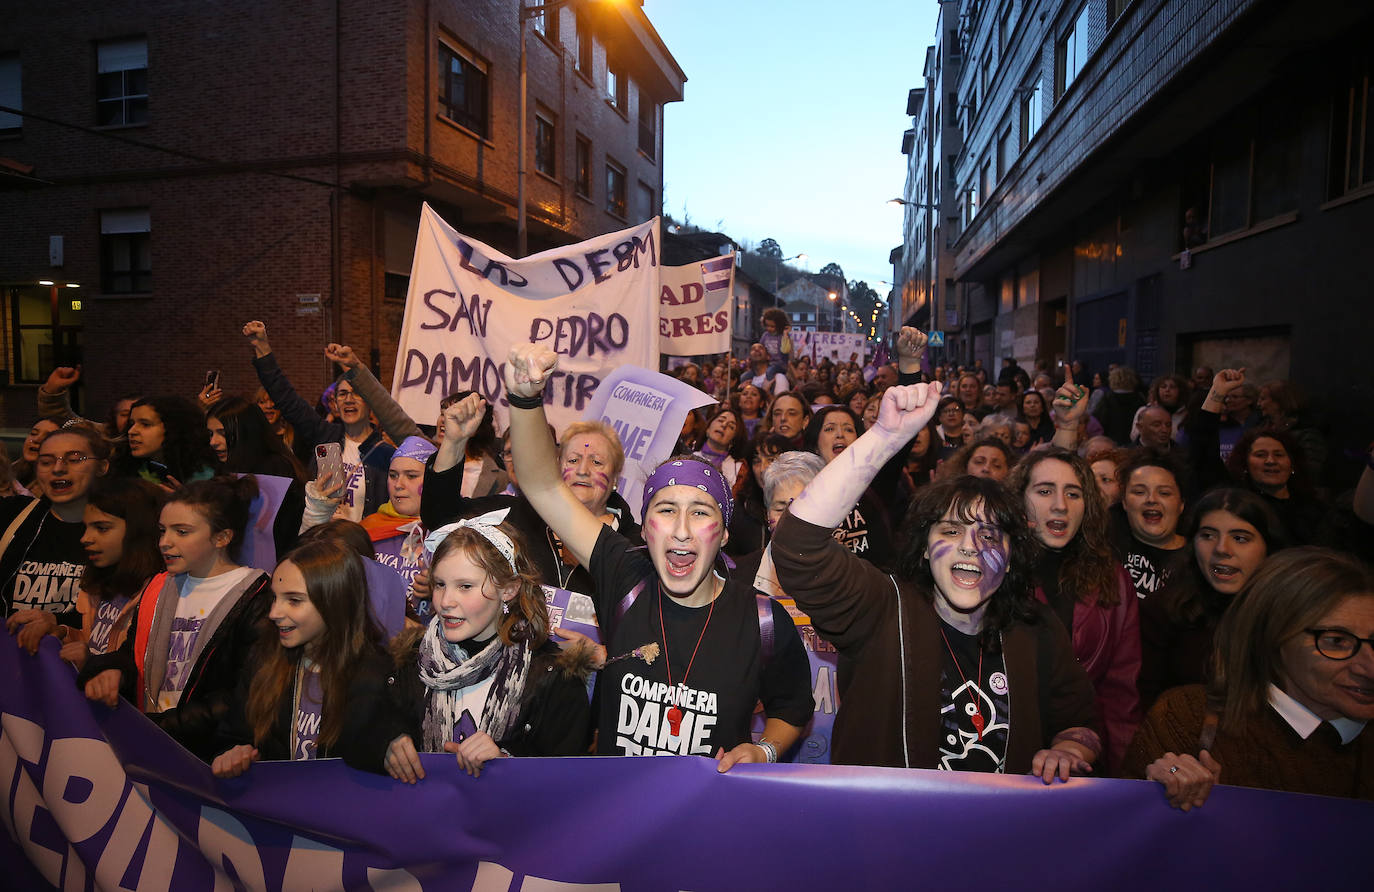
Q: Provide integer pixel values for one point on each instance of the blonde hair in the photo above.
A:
(596, 427)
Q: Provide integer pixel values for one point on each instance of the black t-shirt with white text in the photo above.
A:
(709, 707)
(48, 573)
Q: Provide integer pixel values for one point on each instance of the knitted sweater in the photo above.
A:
(1269, 754)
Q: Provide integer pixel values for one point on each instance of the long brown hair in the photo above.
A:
(337, 586)
(1291, 592)
(1088, 571)
(528, 619)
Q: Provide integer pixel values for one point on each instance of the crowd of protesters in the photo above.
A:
(1055, 571)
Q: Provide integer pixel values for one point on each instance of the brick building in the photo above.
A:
(190, 171)
(1102, 138)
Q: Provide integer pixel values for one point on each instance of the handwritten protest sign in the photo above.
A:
(647, 410)
(468, 303)
(694, 307)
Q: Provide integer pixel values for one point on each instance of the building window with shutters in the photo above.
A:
(121, 82)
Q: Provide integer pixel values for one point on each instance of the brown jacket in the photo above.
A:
(888, 637)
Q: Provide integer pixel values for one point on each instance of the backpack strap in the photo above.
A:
(622, 608)
(146, 609)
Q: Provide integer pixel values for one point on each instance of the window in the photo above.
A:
(1350, 161)
(648, 124)
(985, 76)
(616, 86)
(971, 202)
(545, 145)
(122, 82)
(1004, 27)
(126, 265)
(583, 184)
(985, 183)
(615, 189)
(463, 89)
(584, 46)
(1006, 152)
(44, 332)
(395, 287)
(1115, 9)
(646, 201)
(546, 25)
(11, 94)
(1030, 112)
(1071, 53)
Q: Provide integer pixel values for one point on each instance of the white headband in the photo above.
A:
(486, 526)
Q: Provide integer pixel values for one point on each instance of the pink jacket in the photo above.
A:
(1106, 643)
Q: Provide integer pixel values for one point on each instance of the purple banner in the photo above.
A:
(101, 798)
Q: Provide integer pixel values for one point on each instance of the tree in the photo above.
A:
(769, 248)
(863, 299)
(833, 269)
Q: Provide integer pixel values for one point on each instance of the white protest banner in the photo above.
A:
(591, 303)
(838, 346)
(647, 410)
(694, 307)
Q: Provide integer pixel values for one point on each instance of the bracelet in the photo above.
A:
(525, 402)
(770, 751)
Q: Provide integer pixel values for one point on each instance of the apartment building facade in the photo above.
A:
(176, 171)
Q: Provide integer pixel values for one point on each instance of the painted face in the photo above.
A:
(750, 399)
(187, 543)
(788, 417)
(720, 433)
(969, 390)
(1104, 471)
(1054, 503)
(837, 432)
(1229, 551)
(1020, 435)
(40, 429)
(1153, 504)
(1269, 464)
(1156, 429)
(146, 433)
(269, 409)
(587, 469)
(298, 621)
(684, 531)
(65, 468)
(783, 494)
(352, 409)
(218, 441)
(104, 537)
(1168, 393)
(967, 562)
(988, 461)
(404, 481)
(1333, 688)
(466, 600)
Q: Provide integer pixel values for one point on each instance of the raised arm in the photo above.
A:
(54, 395)
(829, 498)
(297, 412)
(394, 420)
(1204, 430)
(1070, 405)
(526, 371)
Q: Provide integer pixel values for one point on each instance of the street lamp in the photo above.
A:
(526, 14)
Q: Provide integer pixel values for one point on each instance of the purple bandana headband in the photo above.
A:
(690, 472)
(417, 448)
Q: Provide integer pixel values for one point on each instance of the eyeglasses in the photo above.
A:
(1337, 644)
(70, 459)
(347, 396)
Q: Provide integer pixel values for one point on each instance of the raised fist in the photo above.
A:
(462, 419)
(911, 342)
(343, 355)
(528, 368)
(62, 378)
(256, 333)
(907, 409)
(1070, 402)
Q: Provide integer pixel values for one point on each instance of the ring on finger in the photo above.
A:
(1174, 770)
